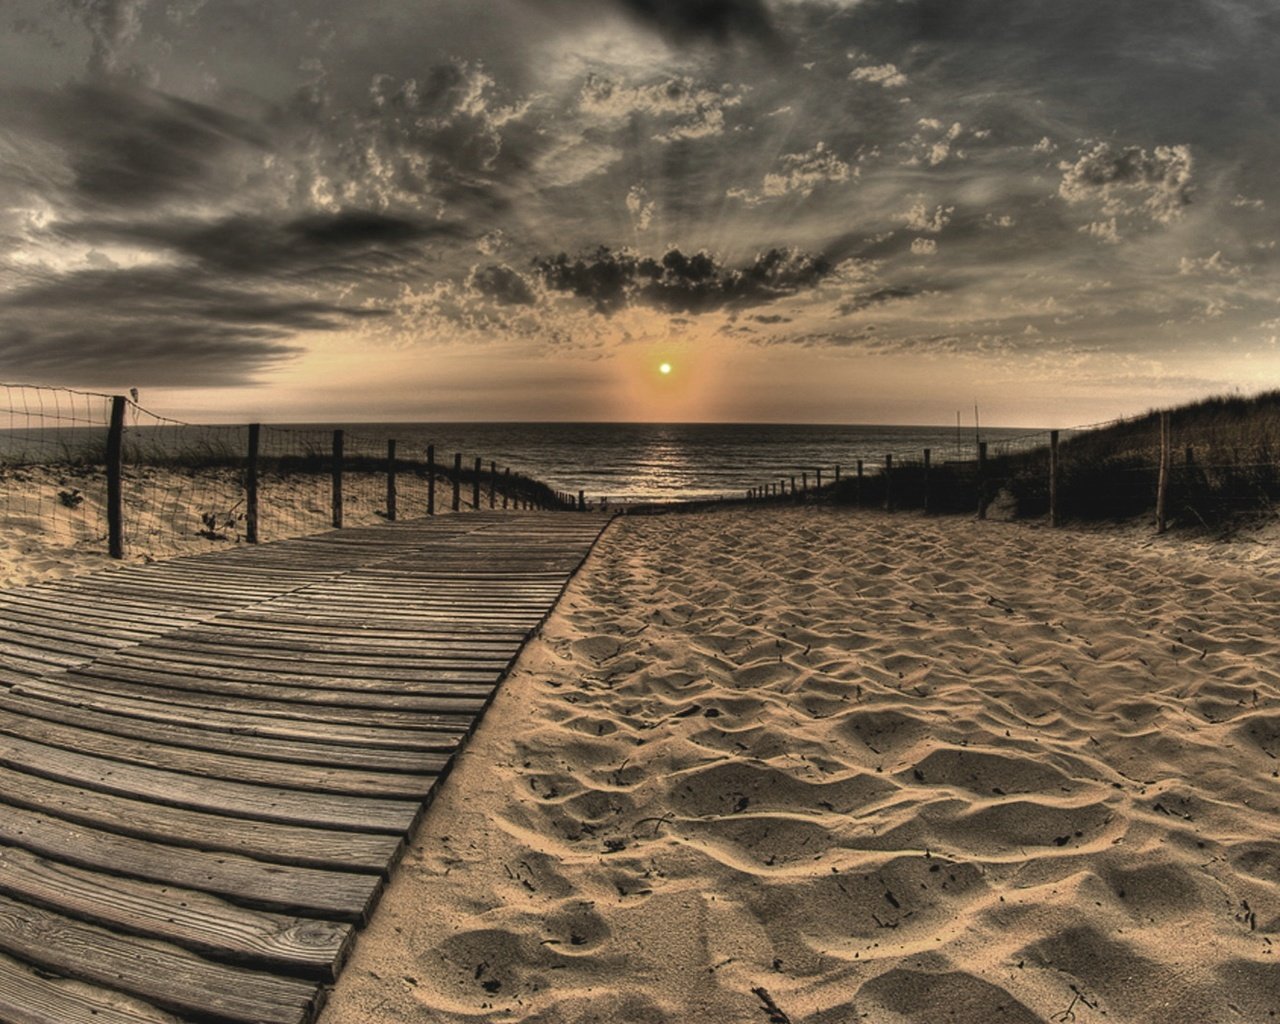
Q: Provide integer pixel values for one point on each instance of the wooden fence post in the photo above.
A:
(582, 501)
(928, 453)
(506, 485)
(982, 479)
(475, 485)
(818, 485)
(115, 479)
(493, 484)
(251, 485)
(337, 479)
(793, 487)
(804, 483)
(1053, 478)
(837, 476)
(1162, 484)
(457, 481)
(857, 491)
(888, 483)
(431, 479)
(391, 481)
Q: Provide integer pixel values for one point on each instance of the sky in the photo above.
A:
(854, 211)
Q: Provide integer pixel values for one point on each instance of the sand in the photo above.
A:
(46, 536)
(819, 766)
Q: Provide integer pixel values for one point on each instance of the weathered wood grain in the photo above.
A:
(208, 764)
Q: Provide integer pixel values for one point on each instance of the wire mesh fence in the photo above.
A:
(52, 467)
(186, 487)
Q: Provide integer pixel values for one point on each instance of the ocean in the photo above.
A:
(633, 462)
(624, 462)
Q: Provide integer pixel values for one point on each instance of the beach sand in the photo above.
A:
(43, 537)
(814, 765)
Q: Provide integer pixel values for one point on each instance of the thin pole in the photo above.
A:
(115, 479)
(475, 485)
(457, 481)
(251, 485)
(888, 483)
(1162, 486)
(506, 485)
(391, 481)
(337, 479)
(431, 479)
(857, 493)
(493, 484)
(982, 479)
(1053, 478)
(928, 452)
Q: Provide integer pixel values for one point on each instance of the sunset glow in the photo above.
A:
(855, 211)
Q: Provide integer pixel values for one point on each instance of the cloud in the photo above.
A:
(155, 326)
(716, 21)
(641, 207)
(801, 174)
(128, 147)
(678, 282)
(886, 75)
(878, 297)
(934, 142)
(348, 244)
(924, 247)
(113, 24)
(920, 219)
(697, 111)
(1131, 180)
(503, 285)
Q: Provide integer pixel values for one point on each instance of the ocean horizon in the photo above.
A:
(643, 462)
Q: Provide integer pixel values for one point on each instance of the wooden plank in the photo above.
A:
(215, 758)
(164, 975)
(278, 754)
(437, 738)
(27, 997)
(309, 947)
(246, 801)
(342, 895)
(262, 840)
(408, 695)
(131, 749)
(181, 648)
(454, 715)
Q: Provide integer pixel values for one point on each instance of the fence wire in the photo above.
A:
(184, 486)
(53, 471)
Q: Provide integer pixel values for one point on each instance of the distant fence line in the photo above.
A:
(1117, 469)
(97, 467)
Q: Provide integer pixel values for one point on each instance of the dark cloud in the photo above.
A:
(890, 293)
(348, 244)
(611, 280)
(719, 21)
(154, 326)
(503, 285)
(130, 147)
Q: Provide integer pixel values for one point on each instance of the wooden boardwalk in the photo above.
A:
(209, 764)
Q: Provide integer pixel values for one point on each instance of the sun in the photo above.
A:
(664, 369)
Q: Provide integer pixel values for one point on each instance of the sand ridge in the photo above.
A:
(824, 766)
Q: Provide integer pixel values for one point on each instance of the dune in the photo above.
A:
(819, 766)
(43, 536)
